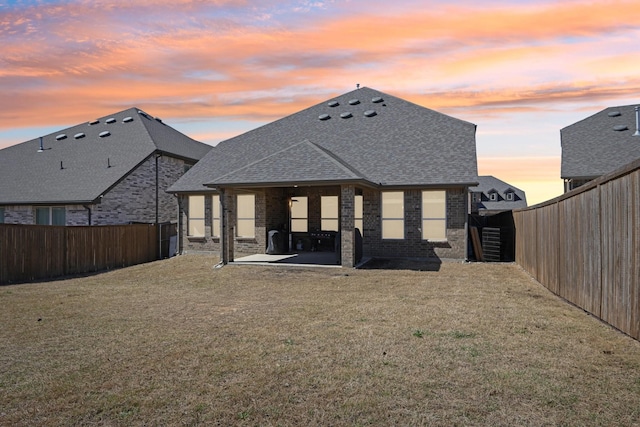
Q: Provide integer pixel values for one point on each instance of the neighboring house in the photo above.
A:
(364, 174)
(599, 144)
(492, 196)
(113, 170)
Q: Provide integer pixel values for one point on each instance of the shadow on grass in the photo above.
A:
(402, 264)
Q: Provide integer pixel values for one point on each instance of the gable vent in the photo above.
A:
(346, 115)
(127, 119)
(61, 137)
(104, 133)
(613, 114)
(324, 117)
(110, 120)
(354, 102)
(370, 113)
(94, 122)
(79, 135)
(377, 99)
(620, 128)
(333, 104)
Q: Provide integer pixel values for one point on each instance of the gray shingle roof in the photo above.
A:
(592, 147)
(488, 184)
(384, 140)
(76, 170)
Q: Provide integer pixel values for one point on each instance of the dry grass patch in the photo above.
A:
(176, 342)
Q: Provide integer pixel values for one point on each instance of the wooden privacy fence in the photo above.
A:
(585, 247)
(35, 252)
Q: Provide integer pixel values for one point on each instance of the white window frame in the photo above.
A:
(509, 196)
(392, 217)
(329, 213)
(299, 214)
(196, 218)
(246, 216)
(493, 196)
(216, 219)
(434, 212)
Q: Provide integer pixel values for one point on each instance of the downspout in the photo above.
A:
(158, 209)
(466, 225)
(88, 213)
(178, 225)
(224, 258)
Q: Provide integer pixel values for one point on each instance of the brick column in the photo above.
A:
(347, 225)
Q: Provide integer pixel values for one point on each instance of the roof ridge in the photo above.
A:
(334, 159)
(338, 160)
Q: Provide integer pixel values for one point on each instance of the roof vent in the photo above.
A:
(354, 102)
(110, 120)
(613, 114)
(79, 135)
(324, 117)
(104, 133)
(370, 113)
(61, 137)
(637, 122)
(127, 119)
(346, 115)
(333, 104)
(94, 122)
(377, 99)
(620, 128)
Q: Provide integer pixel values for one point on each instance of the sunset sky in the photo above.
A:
(520, 70)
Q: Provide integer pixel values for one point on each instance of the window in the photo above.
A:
(359, 214)
(1, 215)
(246, 226)
(196, 216)
(215, 216)
(51, 216)
(476, 197)
(493, 196)
(434, 215)
(299, 214)
(510, 196)
(329, 213)
(393, 215)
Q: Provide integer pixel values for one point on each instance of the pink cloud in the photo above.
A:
(183, 59)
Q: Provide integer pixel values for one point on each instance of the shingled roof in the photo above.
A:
(600, 143)
(362, 136)
(78, 164)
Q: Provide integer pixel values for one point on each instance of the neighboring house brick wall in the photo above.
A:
(134, 198)
(77, 215)
(19, 215)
